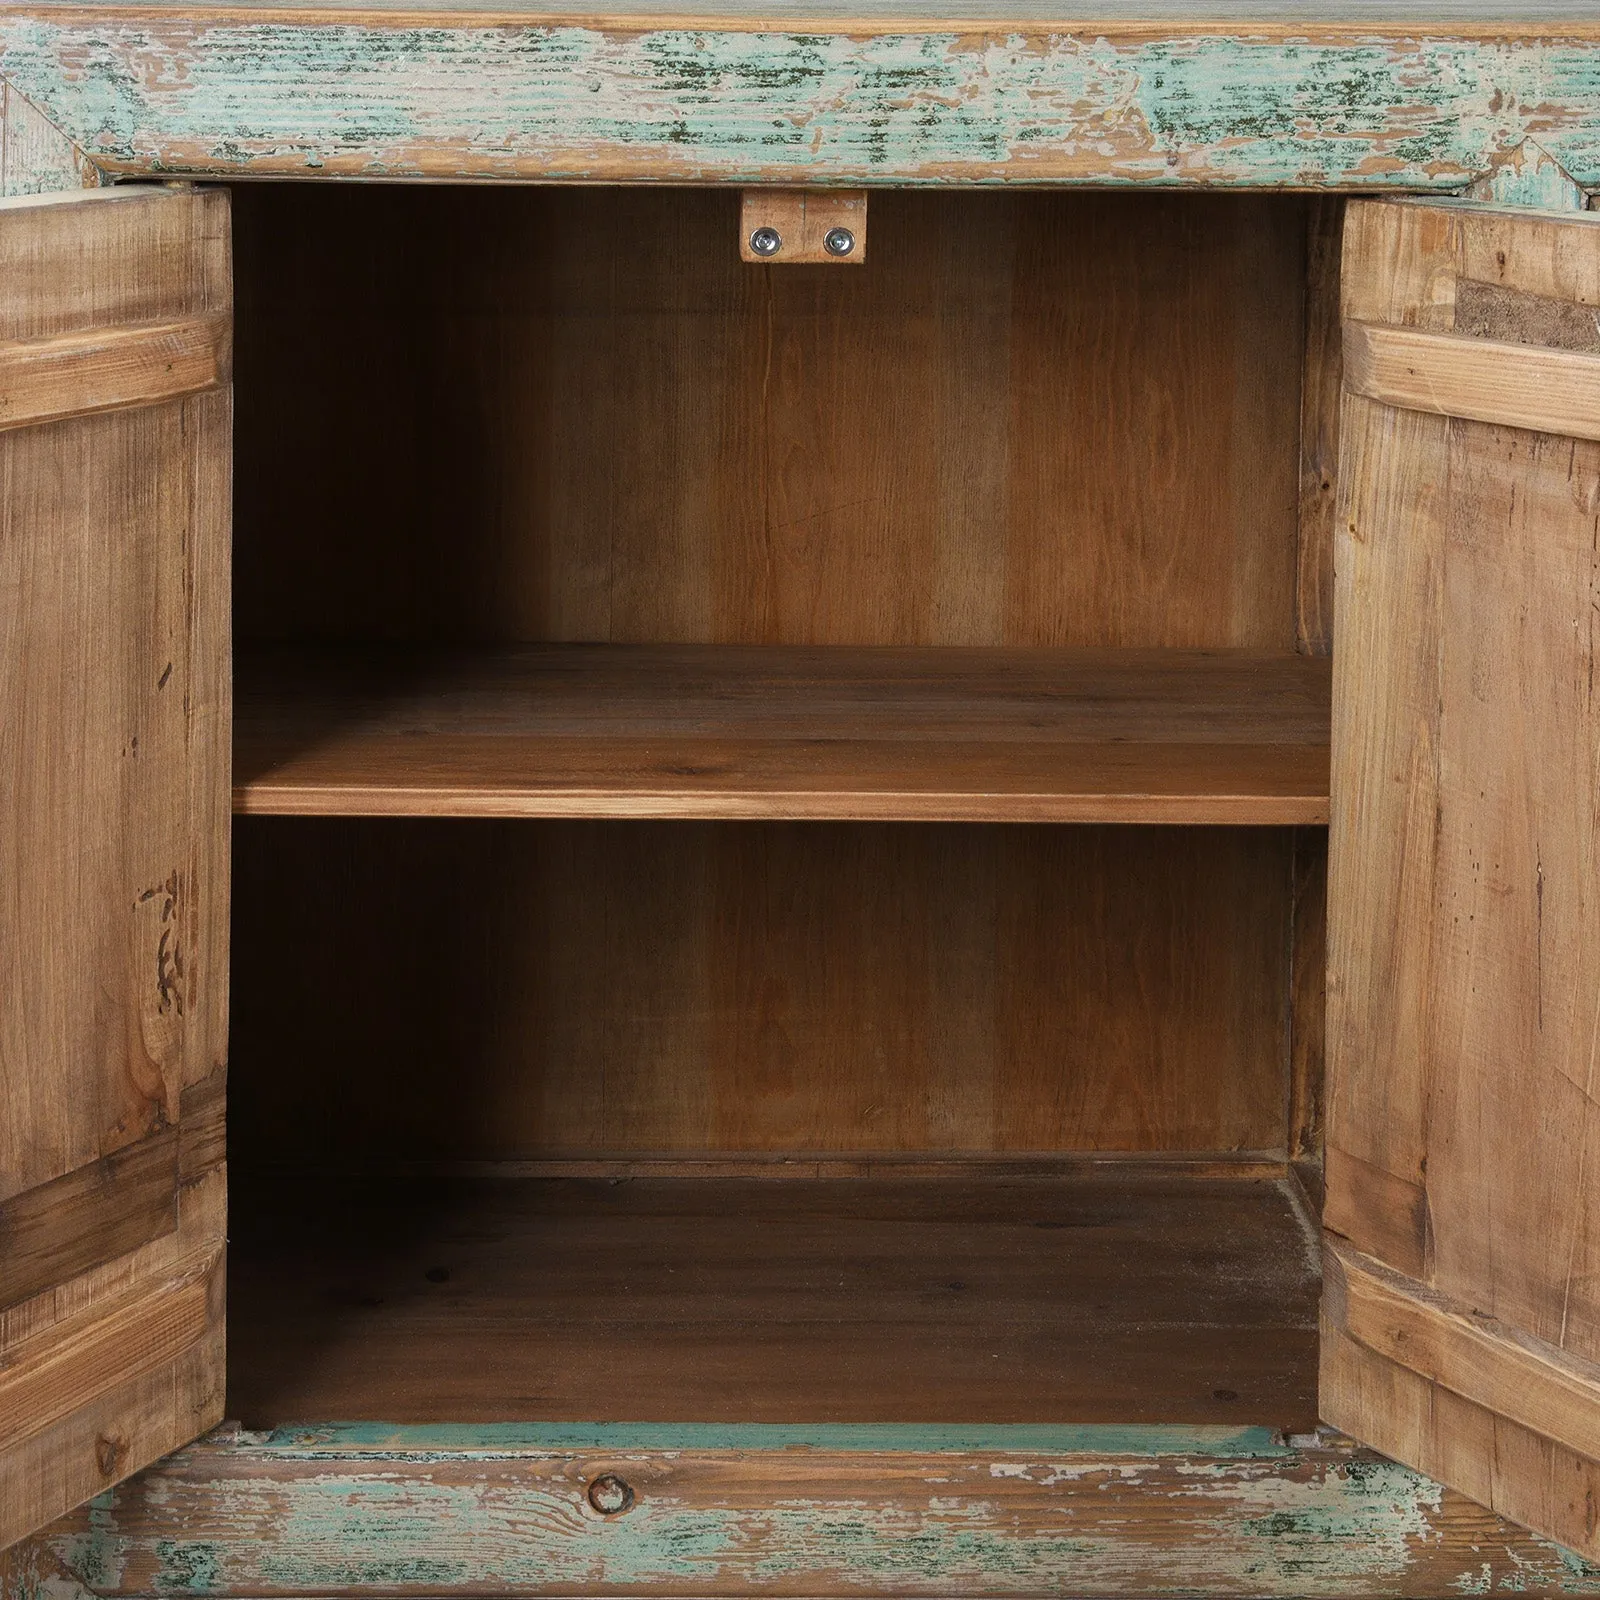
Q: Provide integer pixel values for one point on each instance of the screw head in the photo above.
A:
(766, 242)
(610, 1495)
(838, 241)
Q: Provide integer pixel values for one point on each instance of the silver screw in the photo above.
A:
(838, 241)
(766, 242)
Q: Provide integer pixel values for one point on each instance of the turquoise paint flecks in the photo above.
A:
(188, 1566)
(1528, 177)
(93, 1550)
(516, 1438)
(227, 94)
(1247, 1528)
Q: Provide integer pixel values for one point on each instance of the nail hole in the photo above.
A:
(610, 1495)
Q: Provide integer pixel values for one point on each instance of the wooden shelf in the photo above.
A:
(1118, 1291)
(978, 734)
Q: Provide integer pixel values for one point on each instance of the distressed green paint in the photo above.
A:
(259, 1516)
(220, 94)
(1528, 177)
(416, 1441)
(36, 158)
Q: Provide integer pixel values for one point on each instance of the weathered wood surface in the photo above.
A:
(1463, 1120)
(108, 1207)
(1495, 1365)
(1320, 390)
(873, 100)
(1086, 1291)
(35, 157)
(545, 436)
(109, 369)
(975, 734)
(113, 854)
(500, 1512)
(1508, 385)
(630, 988)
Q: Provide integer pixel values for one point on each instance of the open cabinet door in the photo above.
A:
(1462, 1300)
(115, 443)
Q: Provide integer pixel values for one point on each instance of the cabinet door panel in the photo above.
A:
(1462, 1311)
(115, 443)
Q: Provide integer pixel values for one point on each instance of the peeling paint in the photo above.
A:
(275, 1516)
(221, 94)
(519, 1438)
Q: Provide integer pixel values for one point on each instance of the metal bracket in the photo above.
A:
(803, 226)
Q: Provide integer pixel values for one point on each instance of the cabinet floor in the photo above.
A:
(1129, 1293)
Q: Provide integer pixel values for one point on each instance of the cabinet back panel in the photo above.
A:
(538, 414)
(478, 990)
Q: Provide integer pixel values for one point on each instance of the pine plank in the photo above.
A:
(543, 438)
(833, 92)
(110, 368)
(1104, 1293)
(1463, 1122)
(422, 989)
(114, 710)
(1486, 380)
(728, 731)
(1105, 1512)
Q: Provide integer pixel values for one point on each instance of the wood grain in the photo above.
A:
(113, 1205)
(1504, 1371)
(482, 1514)
(802, 219)
(114, 695)
(951, 445)
(35, 156)
(153, 1392)
(513, 990)
(1510, 385)
(108, 369)
(1462, 1130)
(727, 731)
(1308, 1032)
(1320, 390)
(1390, 99)
(1106, 1295)
(78, 1361)
(1531, 19)
(1516, 1473)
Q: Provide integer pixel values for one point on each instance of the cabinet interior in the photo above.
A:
(777, 873)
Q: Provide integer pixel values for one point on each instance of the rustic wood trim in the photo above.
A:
(105, 1209)
(202, 1128)
(68, 1366)
(110, 369)
(1323, 374)
(491, 1515)
(844, 101)
(1527, 176)
(36, 157)
(448, 1441)
(1494, 1365)
(806, 1165)
(1308, 963)
(1482, 380)
(88, 1216)
(1520, 1475)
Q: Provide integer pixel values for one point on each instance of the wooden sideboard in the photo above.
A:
(909, 912)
